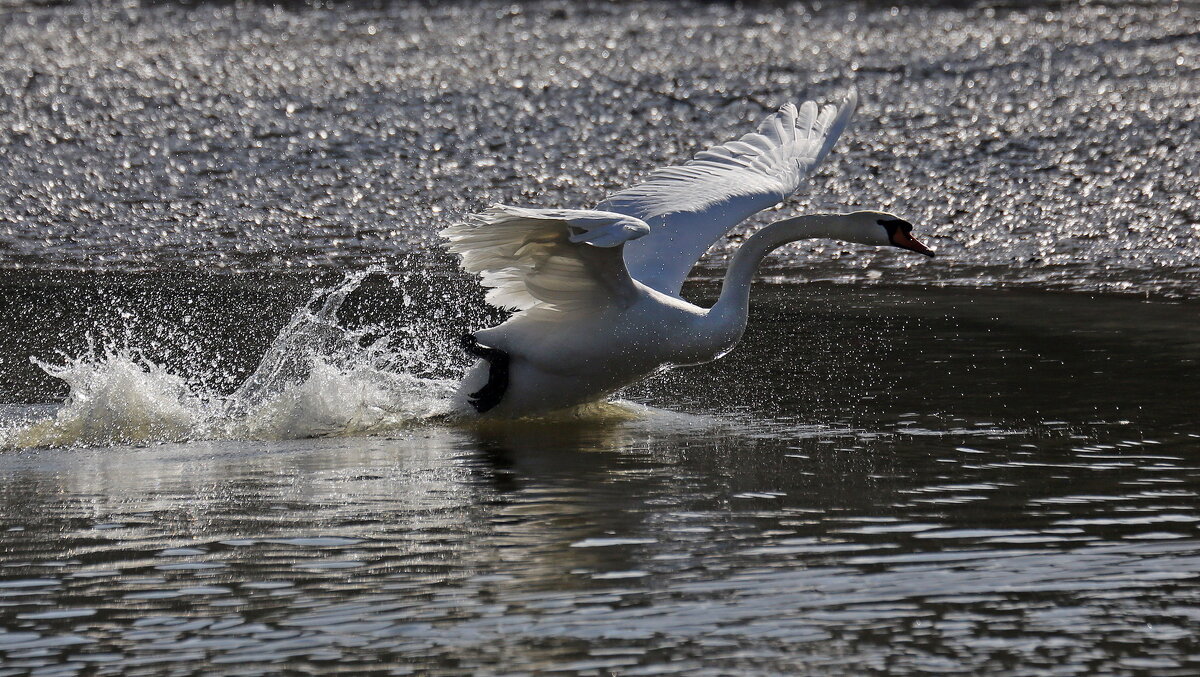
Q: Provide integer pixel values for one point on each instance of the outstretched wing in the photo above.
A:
(558, 259)
(688, 207)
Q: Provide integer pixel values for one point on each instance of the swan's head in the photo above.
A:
(886, 230)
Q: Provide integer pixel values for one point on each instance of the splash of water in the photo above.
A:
(317, 378)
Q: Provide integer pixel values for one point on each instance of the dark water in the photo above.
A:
(232, 453)
(879, 481)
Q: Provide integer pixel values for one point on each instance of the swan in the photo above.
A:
(597, 292)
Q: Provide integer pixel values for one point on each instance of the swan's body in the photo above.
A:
(597, 291)
(561, 364)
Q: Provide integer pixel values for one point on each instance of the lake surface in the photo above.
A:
(1036, 144)
(886, 480)
(228, 339)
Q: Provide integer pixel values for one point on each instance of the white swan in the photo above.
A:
(597, 291)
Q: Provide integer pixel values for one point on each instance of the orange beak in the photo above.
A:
(905, 240)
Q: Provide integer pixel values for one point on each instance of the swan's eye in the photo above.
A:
(893, 225)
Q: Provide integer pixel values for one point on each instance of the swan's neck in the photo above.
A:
(732, 306)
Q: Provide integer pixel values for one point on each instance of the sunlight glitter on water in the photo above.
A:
(1038, 145)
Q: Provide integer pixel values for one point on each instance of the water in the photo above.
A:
(1045, 145)
(884, 480)
(228, 442)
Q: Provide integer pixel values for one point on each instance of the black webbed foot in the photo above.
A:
(493, 391)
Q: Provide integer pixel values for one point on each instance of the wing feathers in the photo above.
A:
(839, 119)
(560, 260)
(692, 205)
(806, 118)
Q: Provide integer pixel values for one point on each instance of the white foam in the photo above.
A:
(114, 399)
(314, 380)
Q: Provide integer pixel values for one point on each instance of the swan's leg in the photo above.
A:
(490, 394)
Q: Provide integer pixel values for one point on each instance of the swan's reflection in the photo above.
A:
(435, 491)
